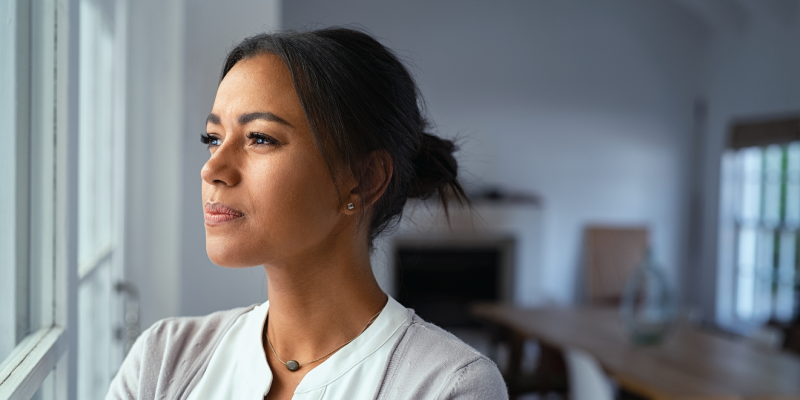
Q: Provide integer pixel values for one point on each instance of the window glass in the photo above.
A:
(767, 222)
(773, 183)
(96, 340)
(27, 107)
(96, 132)
(28, 279)
(42, 161)
(750, 171)
(8, 163)
(48, 388)
(793, 185)
(746, 263)
(101, 334)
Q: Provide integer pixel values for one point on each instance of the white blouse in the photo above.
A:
(238, 368)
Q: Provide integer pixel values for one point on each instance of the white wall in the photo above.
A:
(587, 103)
(212, 28)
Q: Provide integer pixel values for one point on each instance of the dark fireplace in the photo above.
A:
(440, 280)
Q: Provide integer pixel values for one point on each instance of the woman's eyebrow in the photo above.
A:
(213, 119)
(267, 116)
(250, 117)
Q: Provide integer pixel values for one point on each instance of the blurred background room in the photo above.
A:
(590, 132)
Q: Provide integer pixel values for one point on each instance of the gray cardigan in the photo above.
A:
(169, 358)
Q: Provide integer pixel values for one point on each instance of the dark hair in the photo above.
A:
(359, 98)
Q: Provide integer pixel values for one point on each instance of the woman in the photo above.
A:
(316, 143)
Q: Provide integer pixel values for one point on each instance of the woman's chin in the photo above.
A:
(227, 258)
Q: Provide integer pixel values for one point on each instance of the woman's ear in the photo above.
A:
(373, 178)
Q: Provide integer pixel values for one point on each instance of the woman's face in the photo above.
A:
(267, 192)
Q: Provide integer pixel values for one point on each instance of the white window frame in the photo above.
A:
(38, 355)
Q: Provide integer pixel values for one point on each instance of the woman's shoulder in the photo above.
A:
(430, 362)
(423, 333)
(171, 350)
(183, 327)
(189, 337)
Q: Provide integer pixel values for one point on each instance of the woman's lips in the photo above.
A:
(218, 214)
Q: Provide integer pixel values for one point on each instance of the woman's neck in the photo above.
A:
(316, 304)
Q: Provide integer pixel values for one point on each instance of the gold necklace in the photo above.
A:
(293, 365)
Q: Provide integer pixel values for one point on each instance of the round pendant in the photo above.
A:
(292, 365)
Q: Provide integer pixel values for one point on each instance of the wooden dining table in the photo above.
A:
(689, 364)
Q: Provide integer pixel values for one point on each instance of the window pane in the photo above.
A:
(762, 306)
(773, 173)
(96, 341)
(96, 132)
(27, 81)
(47, 390)
(793, 185)
(100, 307)
(745, 294)
(767, 218)
(42, 164)
(8, 197)
(784, 285)
(751, 167)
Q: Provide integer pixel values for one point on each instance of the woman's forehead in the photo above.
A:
(259, 84)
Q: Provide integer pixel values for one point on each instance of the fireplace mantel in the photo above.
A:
(424, 223)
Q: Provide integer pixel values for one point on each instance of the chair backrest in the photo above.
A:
(612, 253)
(587, 381)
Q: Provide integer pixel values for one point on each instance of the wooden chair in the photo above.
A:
(611, 255)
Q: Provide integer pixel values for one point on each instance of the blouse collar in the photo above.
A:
(373, 338)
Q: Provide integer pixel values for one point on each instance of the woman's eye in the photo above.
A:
(210, 140)
(260, 139)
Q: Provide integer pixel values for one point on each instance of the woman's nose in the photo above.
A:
(222, 168)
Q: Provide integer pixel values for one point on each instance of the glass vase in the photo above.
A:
(648, 305)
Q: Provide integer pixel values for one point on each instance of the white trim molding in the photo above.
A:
(33, 359)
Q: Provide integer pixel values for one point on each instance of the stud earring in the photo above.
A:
(350, 206)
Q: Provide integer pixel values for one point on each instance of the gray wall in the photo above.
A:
(154, 106)
(212, 28)
(175, 54)
(587, 103)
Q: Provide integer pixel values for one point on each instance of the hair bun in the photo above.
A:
(435, 168)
